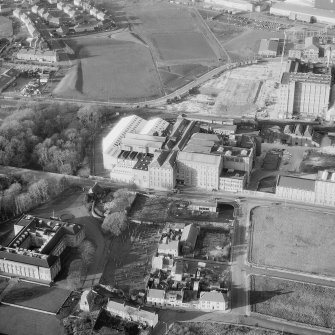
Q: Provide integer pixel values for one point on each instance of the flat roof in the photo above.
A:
(309, 77)
(233, 174)
(199, 158)
(296, 183)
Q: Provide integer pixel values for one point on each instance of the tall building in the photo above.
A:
(325, 4)
(306, 94)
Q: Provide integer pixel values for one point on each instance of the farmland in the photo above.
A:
(283, 236)
(111, 70)
(294, 301)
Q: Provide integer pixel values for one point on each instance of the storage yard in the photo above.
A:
(283, 236)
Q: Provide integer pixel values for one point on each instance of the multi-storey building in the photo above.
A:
(212, 301)
(306, 94)
(232, 180)
(35, 250)
(325, 188)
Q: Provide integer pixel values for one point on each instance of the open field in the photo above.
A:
(294, 301)
(21, 321)
(111, 70)
(284, 236)
(246, 44)
(182, 46)
(49, 299)
(205, 328)
(130, 257)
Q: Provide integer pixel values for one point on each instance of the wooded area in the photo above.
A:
(52, 137)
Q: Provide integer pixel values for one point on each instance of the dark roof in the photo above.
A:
(41, 260)
(296, 183)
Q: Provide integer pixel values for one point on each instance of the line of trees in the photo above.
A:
(52, 137)
(21, 195)
(115, 221)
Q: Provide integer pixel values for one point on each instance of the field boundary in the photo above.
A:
(28, 308)
(251, 263)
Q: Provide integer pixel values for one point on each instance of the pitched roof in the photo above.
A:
(156, 294)
(190, 234)
(296, 183)
(213, 296)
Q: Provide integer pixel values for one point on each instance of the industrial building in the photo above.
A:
(34, 252)
(304, 13)
(305, 94)
(236, 5)
(153, 154)
(320, 190)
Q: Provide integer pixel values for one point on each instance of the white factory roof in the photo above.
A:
(118, 131)
(154, 125)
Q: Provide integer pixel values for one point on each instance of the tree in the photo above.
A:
(87, 251)
(91, 118)
(109, 331)
(116, 205)
(115, 223)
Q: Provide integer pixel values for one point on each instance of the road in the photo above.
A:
(241, 269)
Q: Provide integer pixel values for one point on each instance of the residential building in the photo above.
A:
(311, 51)
(303, 13)
(45, 56)
(189, 238)
(306, 94)
(156, 297)
(174, 298)
(213, 300)
(136, 314)
(169, 248)
(269, 47)
(35, 250)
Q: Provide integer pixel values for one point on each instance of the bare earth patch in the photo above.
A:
(300, 302)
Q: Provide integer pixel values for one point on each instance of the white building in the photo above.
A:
(169, 248)
(212, 301)
(45, 56)
(156, 297)
(143, 316)
(296, 189)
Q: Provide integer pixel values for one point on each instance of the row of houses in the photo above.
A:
(174, 280)
(24, 17)
(45, 14)
(100, 15)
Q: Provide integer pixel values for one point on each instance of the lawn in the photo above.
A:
(182, 46)
(111, 70)
(284, 236)
(21, 321)
(49, 299)
(294, 301)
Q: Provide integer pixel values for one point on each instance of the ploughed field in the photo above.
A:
(293, 238)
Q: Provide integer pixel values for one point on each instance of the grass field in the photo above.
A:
(294, 239)
(300, 302)
(49, 299)
(111, 70)
(21, 321)
(182, 46)
(6, 27)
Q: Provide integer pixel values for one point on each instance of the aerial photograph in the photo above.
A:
(167, 167)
